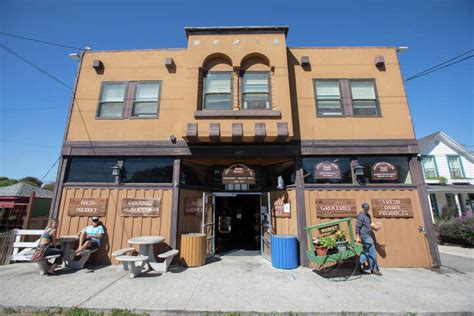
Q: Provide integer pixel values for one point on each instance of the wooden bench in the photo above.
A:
(43, 265)
(167, 257)
(77, 261)
(122, 252)
(134, 264)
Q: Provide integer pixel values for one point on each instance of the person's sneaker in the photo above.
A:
(376, 272)
(361, 269)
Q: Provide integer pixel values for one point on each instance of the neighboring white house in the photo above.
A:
(443, 157)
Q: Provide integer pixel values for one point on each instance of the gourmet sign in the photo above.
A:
(335, 208)
(141, 207)
(327, 170)
(238, 174)
(384, 171)
(87, 206)
(193, 205)
(392, 208)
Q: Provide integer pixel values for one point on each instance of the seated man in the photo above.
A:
(90, 236)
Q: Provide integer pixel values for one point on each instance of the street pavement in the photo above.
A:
(243, 284)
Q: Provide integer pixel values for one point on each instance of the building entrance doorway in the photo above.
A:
(238, 226)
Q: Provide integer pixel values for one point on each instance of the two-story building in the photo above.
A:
(448, 168)
(240, 136)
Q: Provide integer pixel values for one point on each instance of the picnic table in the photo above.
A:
(146, 244)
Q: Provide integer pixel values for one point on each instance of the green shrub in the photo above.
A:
(458, 230)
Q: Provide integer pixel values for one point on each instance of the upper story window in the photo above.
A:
(255, 90)
(218, 91)
(429, 167)
(328, 97)
(112, 100)
(145, 101)
(364, 102)
(455, 167)
(138, 99)
(346, 97)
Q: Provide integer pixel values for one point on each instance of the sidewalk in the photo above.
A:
(457, 251)
(238, 284)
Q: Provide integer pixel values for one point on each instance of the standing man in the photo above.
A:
(364, 233)
(90, 236)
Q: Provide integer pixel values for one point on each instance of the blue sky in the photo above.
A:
(30, 140)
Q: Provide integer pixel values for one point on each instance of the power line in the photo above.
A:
(51, 168)
(40, 41)
(437, 67)
(12, 52)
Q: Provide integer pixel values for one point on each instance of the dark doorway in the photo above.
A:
(238, 223)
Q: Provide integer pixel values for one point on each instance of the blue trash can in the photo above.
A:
(284, 251)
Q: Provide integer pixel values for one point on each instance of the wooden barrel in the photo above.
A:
(193, 249)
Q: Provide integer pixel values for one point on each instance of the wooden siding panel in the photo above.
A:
(398, 236)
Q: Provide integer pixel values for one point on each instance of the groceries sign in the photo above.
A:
(335, 208)
(141, 207)
(87, 207)
(392, 208)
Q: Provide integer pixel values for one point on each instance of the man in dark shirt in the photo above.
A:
(364, 227)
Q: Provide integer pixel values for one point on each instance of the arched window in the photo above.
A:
(255, 83)
(217, 83)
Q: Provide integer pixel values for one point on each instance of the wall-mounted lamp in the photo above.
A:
(170, 64)
(98, 65)
(280, 183)
(173, 138)
(380, 62)
(304, 61)
(402, 49)
(358, 170)
(117, 171)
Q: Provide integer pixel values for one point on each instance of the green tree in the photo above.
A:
(32, 180)
(49, 186)
(4, 181)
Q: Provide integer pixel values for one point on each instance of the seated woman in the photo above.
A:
(90, 236)
(47, 244)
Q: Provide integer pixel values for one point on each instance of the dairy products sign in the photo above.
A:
(392, 208)
(87, 207)
(335, 208)
(141, 207)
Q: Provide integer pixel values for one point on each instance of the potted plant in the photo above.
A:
(341, 242)
(323, 244)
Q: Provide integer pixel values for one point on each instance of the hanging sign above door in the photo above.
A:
(238, 174)
(327, 170)
(384, 171)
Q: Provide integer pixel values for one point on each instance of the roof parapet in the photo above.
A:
(236, 30)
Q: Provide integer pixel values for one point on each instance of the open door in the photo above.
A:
(265, 225)
(208, 223)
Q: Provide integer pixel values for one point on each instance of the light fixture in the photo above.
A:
(358, 170)
(402, 49)
(281, 183)
(75, 56)
(173, 138)
(116, 170)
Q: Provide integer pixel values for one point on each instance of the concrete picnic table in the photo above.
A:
(67, 245)
(146, 246)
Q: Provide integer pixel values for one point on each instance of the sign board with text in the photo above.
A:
(336, 208)
(238, 174)
(87, 207)
(327, 170)
(384, 171)
(392, 208)
(193, 205)
(281, 207)
(141, 207)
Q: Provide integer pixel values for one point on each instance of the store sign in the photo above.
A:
(7, 204)
(327, 170)
(335, 208)
(193, 205)
(384, 171)
(141, 207)
(238, 174)
(392, 208)
(282, 208)
(87, 207)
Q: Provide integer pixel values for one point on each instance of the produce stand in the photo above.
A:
(335, 258)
